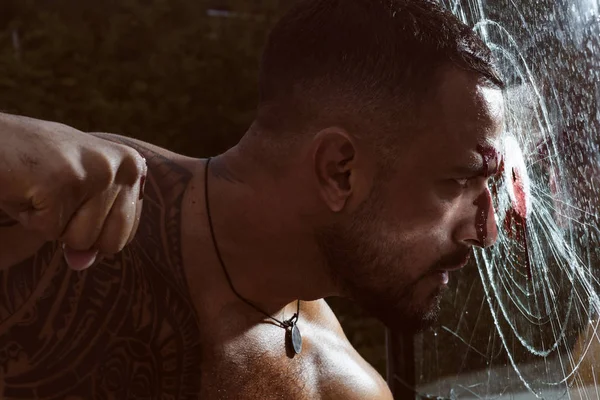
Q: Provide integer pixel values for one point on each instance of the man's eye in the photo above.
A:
(463, 182)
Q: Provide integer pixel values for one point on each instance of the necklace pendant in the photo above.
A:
(296, 339)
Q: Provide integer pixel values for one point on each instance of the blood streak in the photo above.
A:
(489, 155)
(518, 202)
(499, 172)
(515, 222)
(517, 183)
(484, 201)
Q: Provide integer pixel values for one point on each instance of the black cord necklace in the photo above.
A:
(290, 325)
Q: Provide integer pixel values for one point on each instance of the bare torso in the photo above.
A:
(139, 324)
(255, 365)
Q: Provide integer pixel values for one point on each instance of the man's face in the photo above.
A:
(394, 254)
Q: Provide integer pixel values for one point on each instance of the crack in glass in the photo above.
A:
(522, 321)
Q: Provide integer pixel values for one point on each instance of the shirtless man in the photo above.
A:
(364, 175)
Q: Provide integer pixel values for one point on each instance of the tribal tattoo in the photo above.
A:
(124, 329)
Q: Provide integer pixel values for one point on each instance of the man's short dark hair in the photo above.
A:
(357, 62)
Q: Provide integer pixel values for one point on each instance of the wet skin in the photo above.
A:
(159, 319)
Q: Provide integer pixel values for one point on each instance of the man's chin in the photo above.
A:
(413, 324)
(415, 319)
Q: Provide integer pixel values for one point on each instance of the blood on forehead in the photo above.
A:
(491, 160)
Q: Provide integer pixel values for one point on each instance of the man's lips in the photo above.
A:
(455, 262)
(448, 263)
(462, 263)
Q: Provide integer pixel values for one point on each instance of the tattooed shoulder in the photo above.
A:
(126, 328)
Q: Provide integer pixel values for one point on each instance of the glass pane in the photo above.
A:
(521, 322)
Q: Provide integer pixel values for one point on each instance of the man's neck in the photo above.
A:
(268, 250)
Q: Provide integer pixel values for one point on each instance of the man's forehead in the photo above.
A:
(463, 110)
(493, 100)
(464, 92)
(460, 126)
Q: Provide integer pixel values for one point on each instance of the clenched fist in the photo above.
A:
(69, 186)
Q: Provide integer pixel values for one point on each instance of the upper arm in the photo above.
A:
(148, 150)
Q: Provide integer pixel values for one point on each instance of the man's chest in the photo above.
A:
(259, 366)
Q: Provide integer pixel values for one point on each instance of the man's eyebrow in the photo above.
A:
(475, 167)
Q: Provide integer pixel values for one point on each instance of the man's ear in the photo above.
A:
(335, 156)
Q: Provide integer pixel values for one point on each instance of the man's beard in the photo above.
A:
(372, 273)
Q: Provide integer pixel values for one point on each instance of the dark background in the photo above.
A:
(181, 74)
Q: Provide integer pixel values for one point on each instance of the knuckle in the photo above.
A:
(104, 172)
(97, 165)
(132, 167)
(99, 169)
(69, 188)
(68, 171)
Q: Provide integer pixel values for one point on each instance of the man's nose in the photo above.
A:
(478, 225)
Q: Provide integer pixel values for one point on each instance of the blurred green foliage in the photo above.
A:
(163, 71)
(158, 70)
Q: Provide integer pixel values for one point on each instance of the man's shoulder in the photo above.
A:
(341, 368)
(319, 313)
